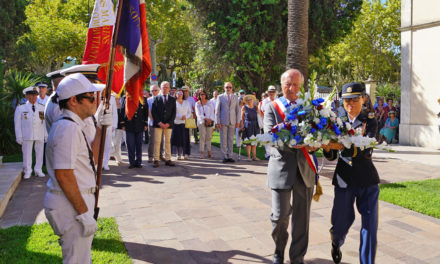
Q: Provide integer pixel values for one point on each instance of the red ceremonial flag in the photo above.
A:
(99, 38)
(133, 37)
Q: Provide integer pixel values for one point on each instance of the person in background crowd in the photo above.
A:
(380, 116)
(205, 122)
(155, 90)
(134, 130)
(164, 113)
(30, 131)
(42, 97)
(388, 132)
(180, 134)
(356, 181)
(227, 118)
(238, 129)
(192, 103)
(173, 92)
(117, 134)
(377, 100)
(109, 132)
(260, 111)
(367, 106)
(249, 122)
(389, 107)
(146, 137)
(271, 91)
(340, 110)
(196, 130)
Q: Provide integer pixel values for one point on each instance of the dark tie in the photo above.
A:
(33, 108)
(165, 99)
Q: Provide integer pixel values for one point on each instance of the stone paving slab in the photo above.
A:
(204, 211)
(10, 176)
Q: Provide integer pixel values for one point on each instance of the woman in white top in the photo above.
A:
(205, 122)
(180, 134)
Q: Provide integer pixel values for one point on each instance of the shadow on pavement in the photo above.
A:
(158, 254)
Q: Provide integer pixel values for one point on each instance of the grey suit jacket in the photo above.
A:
(284, 164)
(226, 114)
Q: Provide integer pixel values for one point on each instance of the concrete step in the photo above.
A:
(10, 177)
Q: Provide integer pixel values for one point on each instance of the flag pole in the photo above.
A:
(108, 88)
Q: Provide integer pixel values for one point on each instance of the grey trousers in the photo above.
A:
(226, 140)
(300, 210)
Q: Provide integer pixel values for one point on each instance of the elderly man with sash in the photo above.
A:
(291, 176)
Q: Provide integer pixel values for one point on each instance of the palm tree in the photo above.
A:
(297, 36)
(15, 83)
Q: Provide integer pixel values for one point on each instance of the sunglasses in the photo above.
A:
(90, 98)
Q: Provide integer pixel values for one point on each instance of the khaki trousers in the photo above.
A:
(158, 134)
(205, 137)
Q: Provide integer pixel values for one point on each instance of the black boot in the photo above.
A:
(336, 254)
(278, 257)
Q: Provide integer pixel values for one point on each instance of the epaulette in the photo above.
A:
(41, 104)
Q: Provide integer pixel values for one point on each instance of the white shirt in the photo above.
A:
(66, 149)
(183, 109)
(43, 101)
(213, 101)
(191, 102)
(204, 111)
(150, 104)
(265, 102)
(29, 124)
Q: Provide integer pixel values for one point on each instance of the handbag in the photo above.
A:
(209, 124)
(190, 123)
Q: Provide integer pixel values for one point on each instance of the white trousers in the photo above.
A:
(59, 212)
(116, 144)
(205, 134)
(26, 147)
(107, 146)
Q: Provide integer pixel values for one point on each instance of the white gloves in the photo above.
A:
(104, 117)
(88, 223)
(20, 141)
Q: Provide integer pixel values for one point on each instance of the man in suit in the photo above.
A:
(163, 111)
(227, 118)
(355, 179)
(134, 130)
(289, 174)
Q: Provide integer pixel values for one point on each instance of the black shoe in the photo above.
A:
(225, 160)
(278, 258)
(336, 254)
(230, 160)
(131, 166)
(138, 166)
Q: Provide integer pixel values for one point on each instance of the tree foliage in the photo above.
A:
(57, 29)
(371, 49)
(251, 36)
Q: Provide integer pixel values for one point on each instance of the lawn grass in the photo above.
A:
(18, 157)
(419, 196)
(38, 244)
(260, 150)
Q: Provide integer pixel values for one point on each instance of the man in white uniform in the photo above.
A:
(70, 199)
(271, 91)
(30, 130)
(42, 97)
(109, 133)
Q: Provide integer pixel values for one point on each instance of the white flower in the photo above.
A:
(339, 121)
(347, 125)
(316, 120)
(325, 142)
(292, 142)
(280, 143)
(325, 112)
(299, 101)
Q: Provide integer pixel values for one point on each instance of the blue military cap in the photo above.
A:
(40, 84)
(352, 90)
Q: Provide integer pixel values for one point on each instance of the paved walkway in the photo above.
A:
(203, 211)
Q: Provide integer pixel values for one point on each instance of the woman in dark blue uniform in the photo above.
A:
(355, 180)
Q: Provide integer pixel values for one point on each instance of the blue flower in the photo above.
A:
(291, 116)
(275, 136)
(312, 130)
(320, 100)
(300, 113)
(323, 121)
(298, 139)
(319, 126)
(293, 131)
(337, 131)
(315, 102)
(296, 109)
